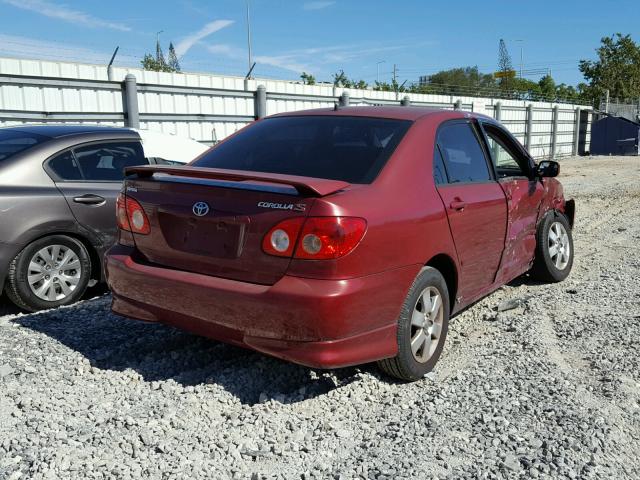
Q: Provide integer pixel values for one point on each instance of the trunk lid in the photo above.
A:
(213, 222)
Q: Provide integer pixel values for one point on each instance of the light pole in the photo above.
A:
(378, 70)
(249, 35)
(521, 56)
(158, 45)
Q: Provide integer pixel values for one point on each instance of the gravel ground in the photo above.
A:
(548, 389)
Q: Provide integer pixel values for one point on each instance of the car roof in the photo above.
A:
(392, 112)
(57, 131)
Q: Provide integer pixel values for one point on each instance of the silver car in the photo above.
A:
(58, 188)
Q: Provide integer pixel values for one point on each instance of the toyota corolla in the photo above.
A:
(341, 236)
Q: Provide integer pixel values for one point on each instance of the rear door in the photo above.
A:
(475, 205)
(524, 194)
(90, 177)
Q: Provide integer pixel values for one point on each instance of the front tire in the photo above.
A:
(554, 249)
(48, 273)
(422, 327)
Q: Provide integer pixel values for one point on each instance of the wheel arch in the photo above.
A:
(447, 268)
(570, 211)
(92, 250)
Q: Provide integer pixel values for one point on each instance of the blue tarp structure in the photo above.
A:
(615, 136)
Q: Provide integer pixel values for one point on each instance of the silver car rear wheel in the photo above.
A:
(54, 272)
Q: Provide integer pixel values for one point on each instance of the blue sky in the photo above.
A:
(321, 37)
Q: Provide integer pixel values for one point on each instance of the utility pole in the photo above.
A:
(249, 37)
(394, 74)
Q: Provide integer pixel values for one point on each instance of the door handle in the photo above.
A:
(89, 199)
(457, 205)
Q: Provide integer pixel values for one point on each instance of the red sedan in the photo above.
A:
(341, 236)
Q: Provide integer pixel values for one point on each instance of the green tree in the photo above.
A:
(505, 67)
(157, 62)
(308, 79)
(548, 87)
(172, 62)
(524, 89)
(160, 54)
(617, 69)
(361, 84)
(341, 80)
(457, 81)
(383, 87)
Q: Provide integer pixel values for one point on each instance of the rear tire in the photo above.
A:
(554, 249)
(48, 273)
(422, 327)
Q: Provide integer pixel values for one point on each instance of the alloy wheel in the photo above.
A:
(559, 245)
(426, 324)
(54, 272)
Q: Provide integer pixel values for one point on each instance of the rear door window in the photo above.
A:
(463, 156)
(107, 161)
(97, 162)
(65, 167)
(352, 149)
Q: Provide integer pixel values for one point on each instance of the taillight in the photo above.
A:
(321, 238)
(131, 216)
(281, 239)
(329, 237)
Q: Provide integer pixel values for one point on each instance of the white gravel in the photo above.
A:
(547, 389)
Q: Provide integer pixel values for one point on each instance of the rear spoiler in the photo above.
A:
(308, 186)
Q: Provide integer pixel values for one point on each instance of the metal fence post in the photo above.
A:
(554, 133)
(344, 99)
(261, 102)
(457, 105)
(576, 131)
(498, 108)
(529, 129)
(131, 114)
(406, 101)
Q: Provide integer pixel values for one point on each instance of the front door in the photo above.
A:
(475, 205)
(524, 194)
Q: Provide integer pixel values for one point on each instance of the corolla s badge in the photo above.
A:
(200, 209)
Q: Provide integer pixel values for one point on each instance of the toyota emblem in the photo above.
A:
(200, 209)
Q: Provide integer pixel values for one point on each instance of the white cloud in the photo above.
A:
(321, 60)
(61, 12)
(316, 5)
(290, 62)
(287, 62)
(190, 40)
(225, 50)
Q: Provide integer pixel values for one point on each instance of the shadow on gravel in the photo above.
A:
(525, 280)
(160, 353)
(8, 308)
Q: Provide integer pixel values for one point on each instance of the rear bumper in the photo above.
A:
(318, 323)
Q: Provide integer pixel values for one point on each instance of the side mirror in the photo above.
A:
(548, 168)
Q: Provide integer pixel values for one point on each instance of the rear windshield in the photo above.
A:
(352, 149)
(12, 142)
